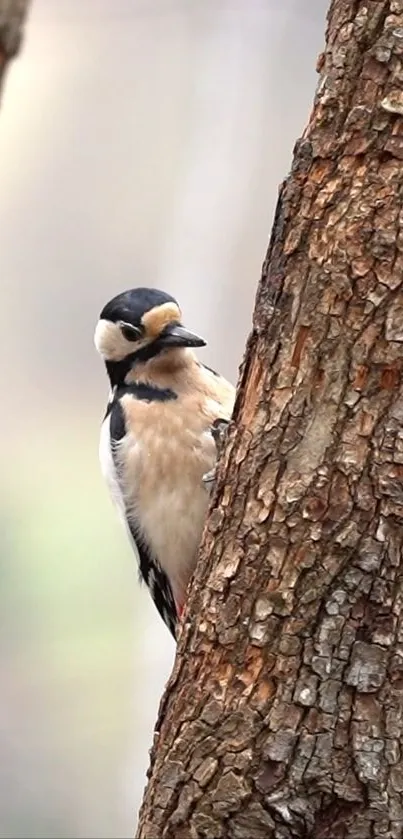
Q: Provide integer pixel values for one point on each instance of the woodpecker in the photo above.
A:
(158, 442)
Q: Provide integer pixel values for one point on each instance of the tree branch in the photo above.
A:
(13, 14)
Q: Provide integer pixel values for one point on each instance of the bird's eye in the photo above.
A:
(130, 332)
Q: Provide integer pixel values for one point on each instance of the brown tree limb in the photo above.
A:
(284, 713)
(13, 14)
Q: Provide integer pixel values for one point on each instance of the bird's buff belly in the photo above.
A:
(166, 498)
(172, 525)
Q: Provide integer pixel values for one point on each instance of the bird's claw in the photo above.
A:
(219, 431)
(209, 477)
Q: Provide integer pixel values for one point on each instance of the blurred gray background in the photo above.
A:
(142, 142)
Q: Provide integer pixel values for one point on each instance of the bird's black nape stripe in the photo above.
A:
(149, 393)
(140, 390)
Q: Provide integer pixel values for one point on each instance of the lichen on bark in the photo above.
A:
(284, 713)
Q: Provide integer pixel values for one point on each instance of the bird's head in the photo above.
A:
(137, 326)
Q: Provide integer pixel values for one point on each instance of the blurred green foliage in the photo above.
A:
(67, 599)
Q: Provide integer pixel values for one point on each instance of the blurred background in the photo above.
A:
(142, 142)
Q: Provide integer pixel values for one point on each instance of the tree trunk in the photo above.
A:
(12, 17)
(284, 714)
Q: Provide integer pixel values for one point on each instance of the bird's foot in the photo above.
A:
(219, 431)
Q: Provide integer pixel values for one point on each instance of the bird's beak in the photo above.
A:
(177, 336)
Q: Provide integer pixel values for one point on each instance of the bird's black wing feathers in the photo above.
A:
(117, 426)
(156, 581)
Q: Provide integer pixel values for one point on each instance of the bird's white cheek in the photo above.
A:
(110, 342)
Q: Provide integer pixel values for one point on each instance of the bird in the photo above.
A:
(163, 428)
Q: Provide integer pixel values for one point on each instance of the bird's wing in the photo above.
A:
(221, 390)
(113, 435)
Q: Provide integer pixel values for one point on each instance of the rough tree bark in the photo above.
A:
(284, 712)
(12, 17)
